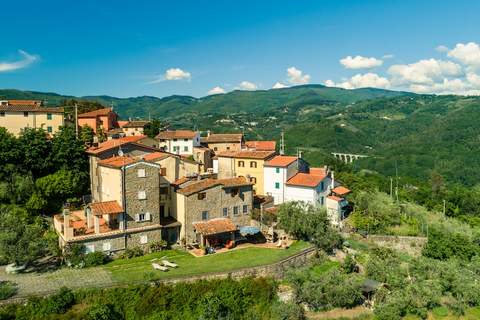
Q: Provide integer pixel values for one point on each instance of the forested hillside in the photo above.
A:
(402, 133)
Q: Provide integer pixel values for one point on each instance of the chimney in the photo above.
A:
(333, 180)
(208, 133)
(96, 223)
(67, 230)
(88, 213)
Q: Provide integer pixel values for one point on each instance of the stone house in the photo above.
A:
(134, 127)
(133, 193)
(209, 200)
(220, 142)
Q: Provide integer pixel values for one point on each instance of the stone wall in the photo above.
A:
(216, 199)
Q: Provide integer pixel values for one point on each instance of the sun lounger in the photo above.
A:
(156, 266)
(169, 264)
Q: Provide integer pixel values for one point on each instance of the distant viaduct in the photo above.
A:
(348, 157)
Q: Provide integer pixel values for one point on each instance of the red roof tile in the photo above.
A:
(305, 180)
(223, 137)
(110, 144)
(24, 102)
(341, 191)
(135, 124)
(318, 171)
(116, 162)
(214, 226)
(261, 145)
(29, 108)
(96, 113)
(210, 183)
(176, 134)
(248, 154)
(107, 207)
(156, 156)
(280, 161)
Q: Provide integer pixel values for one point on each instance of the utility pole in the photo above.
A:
(391, 187)
(76, 120)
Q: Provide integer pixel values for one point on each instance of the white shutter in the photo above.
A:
(137, 217)
(148, 216)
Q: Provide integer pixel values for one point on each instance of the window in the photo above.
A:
(225, 212)
(204, 215)
(322, 186)
(253, 164)
(228, 148)
(163, 190)
(106, 246)
(253, 180)
(2, 114)
(185, 139)
(89, 248)
(235, 211)
(25, 114)
(241, 164)
(143, 239)
(245, 208)
(215, 148)
(175, 149)
(185, 148)
(142, 195)
(49, 129)
(141, 173)
(174, 139)
(202, 195)
(277, 185)
(321, 201)
(144, 216)
(234, 192)
(141, 217)
(163, 171)
(49, 116)
(277, 170)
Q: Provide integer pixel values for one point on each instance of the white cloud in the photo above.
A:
(177, 74)
(247, 85)
(388, 56)
(424, 71)
(216, 90)
(442, 48)
(296, 76)
(371, 80)
(359, 62)
(27, 60)
(468, 54)
(279, 85)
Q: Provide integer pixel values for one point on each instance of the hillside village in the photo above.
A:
(185, 187)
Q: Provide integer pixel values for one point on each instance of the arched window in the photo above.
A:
(253, 164)
(241, 164)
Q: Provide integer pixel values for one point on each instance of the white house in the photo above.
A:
(311, 187)
(178, 141)
(276, 173)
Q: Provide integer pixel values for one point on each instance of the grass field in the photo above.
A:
(139, 269)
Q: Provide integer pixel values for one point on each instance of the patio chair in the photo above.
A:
(156, 266)
(169, 264)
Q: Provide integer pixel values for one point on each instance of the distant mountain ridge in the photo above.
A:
(235, 101)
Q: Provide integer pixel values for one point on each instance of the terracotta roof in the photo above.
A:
(340, 190)
(335, 198)
(248, 154)
(156, 156)
(319, 171)
(107, 207)
(176, 134)
(210, 183)
(223, 137)
(24, 102)
(110, 144)
(121, 123)
(96, 113)
(116, 162)
(214, 226)
(305, 180)
(261, 145)
(180, 181)
(135, 124)
(280, 161)
(114, 131)
(29, 108)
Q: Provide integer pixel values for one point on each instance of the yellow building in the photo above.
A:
(16, 115)
(247, 163)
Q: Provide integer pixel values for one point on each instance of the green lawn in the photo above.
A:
(140, 269)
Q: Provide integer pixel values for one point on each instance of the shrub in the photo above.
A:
(130, 253)
(95, 259)
(157, 246)
(102, 312)
(7, 290)
(74, 255)
(349, 265)
(287, 311)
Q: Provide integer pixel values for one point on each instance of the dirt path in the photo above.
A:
(339, 313)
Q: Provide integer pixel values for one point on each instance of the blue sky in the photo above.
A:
(159, 48)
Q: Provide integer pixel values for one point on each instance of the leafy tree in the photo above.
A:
(86, 134)
(349, 265)
(9, 151)
(68, 152)
(443, 244)
(154, 127)
(21, 242)
(36, 149)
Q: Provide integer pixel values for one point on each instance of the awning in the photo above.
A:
(249, 230)
(214, 226)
